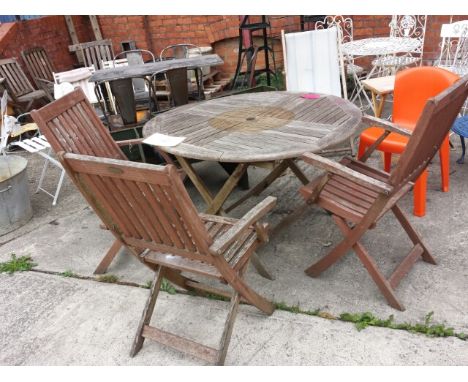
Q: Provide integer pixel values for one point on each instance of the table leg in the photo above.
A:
(214, 204)
(377, 105)
(223, 194)
(297, 171)
(269, 179)
(262, 185)
(196, 180)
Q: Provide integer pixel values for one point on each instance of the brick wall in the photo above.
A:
(156, 32)
(49, 32)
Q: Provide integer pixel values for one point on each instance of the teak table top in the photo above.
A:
(257, 127)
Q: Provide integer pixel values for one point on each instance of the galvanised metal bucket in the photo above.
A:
(15, 205)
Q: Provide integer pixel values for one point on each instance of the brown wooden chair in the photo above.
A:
(41, 69)
(357, 195)
(70, 124)
(147, 208)
(19, 88)
(95, 52)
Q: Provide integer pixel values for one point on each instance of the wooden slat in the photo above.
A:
(183, 264)
(182, 344)
(119, 170)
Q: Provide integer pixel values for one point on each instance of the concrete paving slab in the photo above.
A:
(53, 320)
(75, 242)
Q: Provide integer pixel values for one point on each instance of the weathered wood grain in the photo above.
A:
(257, 126)
(143, 70)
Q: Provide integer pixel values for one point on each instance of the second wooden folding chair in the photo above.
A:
(357, 195)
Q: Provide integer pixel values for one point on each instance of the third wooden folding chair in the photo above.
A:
(358, 195)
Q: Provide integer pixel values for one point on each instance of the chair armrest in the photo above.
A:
(44, 81)
(368, 121)
(129, 142)
(339, 169)
(251, 217)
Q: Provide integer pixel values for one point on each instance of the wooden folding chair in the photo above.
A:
(147, 208)
(19, 88)
(70, 124)
(357, 194)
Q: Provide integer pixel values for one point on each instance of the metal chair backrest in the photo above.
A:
(94, 52)
(180, 51)
(146, 206)
(345, 24)
(134, 56)
(432, 128)
(16, 81)
(454, 39)
(413, 26)
(38, 63)
(70, 124)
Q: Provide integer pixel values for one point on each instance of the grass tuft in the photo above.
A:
(68, 273)
(21, 264)
(107, 279)
(166, 286)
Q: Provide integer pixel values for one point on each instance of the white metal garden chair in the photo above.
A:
(407, 26)
(36, 145)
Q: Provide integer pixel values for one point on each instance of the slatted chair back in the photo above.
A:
(95, 52)
(70, 124)
(16, 81)
(39, 65)
(145, 206)
(432, 128)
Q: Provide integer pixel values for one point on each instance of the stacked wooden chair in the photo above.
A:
(94, 53)
(358, 195)
(41, 69)
(149, 211)
(19, 88)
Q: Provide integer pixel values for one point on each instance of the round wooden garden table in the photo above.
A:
(252, 129)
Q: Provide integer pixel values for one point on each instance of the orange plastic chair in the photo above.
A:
(413, 87)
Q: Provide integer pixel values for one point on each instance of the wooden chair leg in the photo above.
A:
(413, 235)
(387, 162)
(107, 259)
(229, 325)
(260, 267)
(244, 290)
(227, 332)
(361, 150)
(382, 283)
(147, 312)
(419, 195)
(444, 155)
(352, 238)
